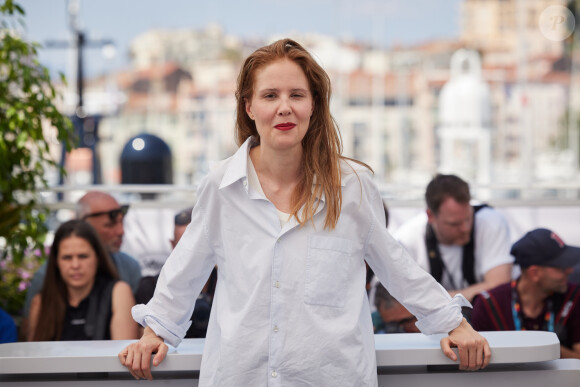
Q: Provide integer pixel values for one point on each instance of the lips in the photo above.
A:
(285, 126)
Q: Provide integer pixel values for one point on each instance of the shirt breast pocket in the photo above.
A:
(328, 266)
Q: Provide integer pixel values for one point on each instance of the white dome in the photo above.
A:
(465, 101)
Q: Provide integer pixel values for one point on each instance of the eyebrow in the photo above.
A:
(276, 90)
(85, 254)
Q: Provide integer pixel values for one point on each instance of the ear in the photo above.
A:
(430, 216)
(249, 109)
(534, 272)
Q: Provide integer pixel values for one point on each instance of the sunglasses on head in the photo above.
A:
(113, 214)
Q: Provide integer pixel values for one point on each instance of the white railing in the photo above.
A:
(395, 195)
(526, 358)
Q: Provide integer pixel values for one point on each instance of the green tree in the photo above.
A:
(27, 113)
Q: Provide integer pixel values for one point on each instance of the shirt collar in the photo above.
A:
(238, 166)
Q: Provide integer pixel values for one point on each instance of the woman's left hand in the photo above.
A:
(474, 351)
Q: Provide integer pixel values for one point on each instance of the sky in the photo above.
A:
(379, 22)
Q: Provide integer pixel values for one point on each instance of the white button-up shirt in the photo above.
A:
(492, 246)
(290, 306)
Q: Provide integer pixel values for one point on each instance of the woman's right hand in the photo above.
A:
(137, 356)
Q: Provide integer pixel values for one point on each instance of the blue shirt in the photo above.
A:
(128, 268)
(8, 332)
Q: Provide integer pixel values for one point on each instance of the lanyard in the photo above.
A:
(517, 311)
(449, 277)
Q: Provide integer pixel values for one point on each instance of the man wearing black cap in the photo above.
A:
(542, 299)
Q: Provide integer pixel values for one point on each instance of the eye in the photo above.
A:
(110, 224)
(270, 96)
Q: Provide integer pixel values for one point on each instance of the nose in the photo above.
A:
(118, 227)
(466, 226)
(75, 262)
(284, 109)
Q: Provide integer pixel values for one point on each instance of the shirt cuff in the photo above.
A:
(163, 327)
(445, 319)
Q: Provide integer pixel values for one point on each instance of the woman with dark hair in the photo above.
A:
(82, 297)
(289, 222)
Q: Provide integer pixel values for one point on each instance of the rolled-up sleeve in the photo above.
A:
(444, 319)
(162, 326)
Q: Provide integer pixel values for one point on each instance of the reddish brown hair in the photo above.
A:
(322, 143)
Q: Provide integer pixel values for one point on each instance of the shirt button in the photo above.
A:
(245, 183)
(275, 328)
(274, 374)
(276, 284)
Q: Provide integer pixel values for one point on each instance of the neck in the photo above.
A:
(280, 167)
(532, 297)
(76, 295)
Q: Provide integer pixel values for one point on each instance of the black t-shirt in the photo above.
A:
(76, 317)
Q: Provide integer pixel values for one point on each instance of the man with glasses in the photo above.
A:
(103, 212)
(391, 316)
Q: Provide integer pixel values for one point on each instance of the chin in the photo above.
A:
(77, 284)
(462, 241)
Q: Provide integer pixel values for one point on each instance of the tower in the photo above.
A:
(464, 130)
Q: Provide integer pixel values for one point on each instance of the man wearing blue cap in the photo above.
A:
(542, 299)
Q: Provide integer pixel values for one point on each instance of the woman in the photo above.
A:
(82, 297)
(290, 222)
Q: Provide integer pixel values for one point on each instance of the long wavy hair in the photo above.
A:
(322, 144)
(54, 295)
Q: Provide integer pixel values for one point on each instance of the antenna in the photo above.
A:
(85, 127)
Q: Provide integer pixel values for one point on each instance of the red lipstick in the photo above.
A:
(285, 126)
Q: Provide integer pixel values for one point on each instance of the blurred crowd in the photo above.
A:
(87, 287)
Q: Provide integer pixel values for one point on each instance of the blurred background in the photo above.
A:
(486, 89)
